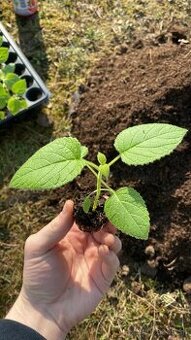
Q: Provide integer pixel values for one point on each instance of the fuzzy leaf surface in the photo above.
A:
(127, 210)
(54, 165)
(146, 143)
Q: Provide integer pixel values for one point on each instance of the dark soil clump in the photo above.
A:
(143, 86)
(92, 221)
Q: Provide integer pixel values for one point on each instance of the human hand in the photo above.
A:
(66, 273)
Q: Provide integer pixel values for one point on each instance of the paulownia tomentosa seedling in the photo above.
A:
(62, 160)
(12, 87)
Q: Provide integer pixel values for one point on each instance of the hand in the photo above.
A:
(66, 273)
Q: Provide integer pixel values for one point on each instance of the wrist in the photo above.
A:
(35, 317)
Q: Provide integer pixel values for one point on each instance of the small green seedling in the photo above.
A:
(62, 160)
(12, 88)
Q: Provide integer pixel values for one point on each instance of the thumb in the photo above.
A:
(53, 232)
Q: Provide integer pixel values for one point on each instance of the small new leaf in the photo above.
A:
(86, 204)
(105, 170)
(101, 158)
(127, 210)
(146, 143)
(4, 54)
(1, 40)
(54, 165)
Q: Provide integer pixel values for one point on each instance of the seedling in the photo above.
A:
(62, 160)
(12, 88)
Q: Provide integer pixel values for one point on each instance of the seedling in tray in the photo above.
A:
(12, 88)
(62, 160)
(21, 88)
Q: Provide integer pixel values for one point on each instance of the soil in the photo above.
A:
(143, 85)
(92, 221)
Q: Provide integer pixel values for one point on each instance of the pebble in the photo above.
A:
(125, 270)
(187, 285)
(150, 251)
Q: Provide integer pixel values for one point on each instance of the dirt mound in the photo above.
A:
(142, 86)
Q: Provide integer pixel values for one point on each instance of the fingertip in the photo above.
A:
(68, 207)
(103, 250)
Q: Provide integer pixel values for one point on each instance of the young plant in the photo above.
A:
(62, 160)
(12, 88)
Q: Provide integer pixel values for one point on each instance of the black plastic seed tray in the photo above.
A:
(37, 93)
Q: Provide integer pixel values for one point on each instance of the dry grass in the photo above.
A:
(74, 36)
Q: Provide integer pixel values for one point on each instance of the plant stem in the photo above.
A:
(98, 191)
(94, 192)
(102, 181)
(92, 165)
(114, 160)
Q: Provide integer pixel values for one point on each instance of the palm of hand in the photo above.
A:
(72, 277)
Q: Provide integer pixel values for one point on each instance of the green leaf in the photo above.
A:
(84, 151)
(3, 97)
(101, 158)
(3, 103)
(126, 210)
(1, 40)
(11, 79)
(86, 204)
(4, 54)
(19, 87)
(52, 166)
(10, 68)
(2, 115)
(146, 143)
(105, 170)
(15, 105)
(23, 104)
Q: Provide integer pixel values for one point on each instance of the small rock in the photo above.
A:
(125, 270)
(150, 251)
(187, 285)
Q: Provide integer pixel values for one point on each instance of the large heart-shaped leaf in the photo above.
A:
(146, 143)
(127, 210)
(52, 166)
